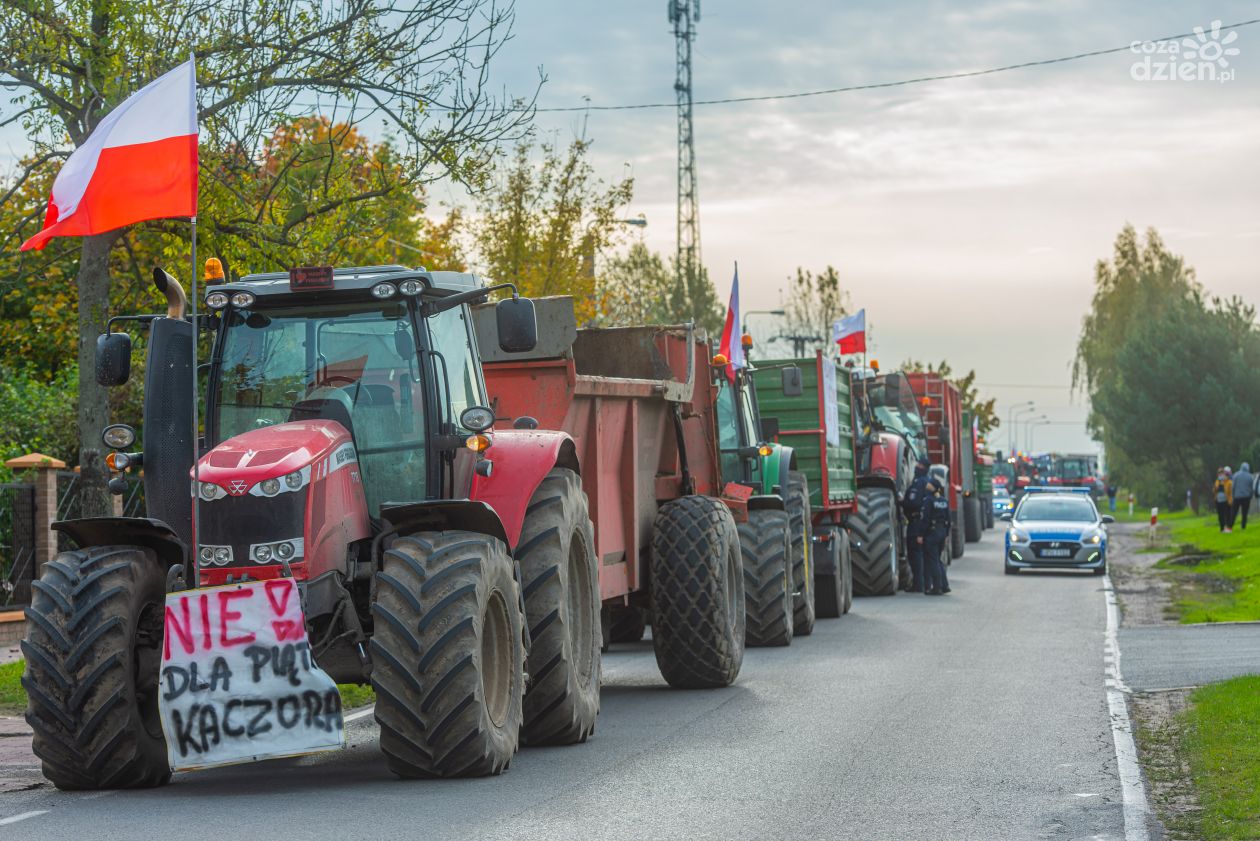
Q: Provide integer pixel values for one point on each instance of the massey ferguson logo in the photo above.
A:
(236, 487)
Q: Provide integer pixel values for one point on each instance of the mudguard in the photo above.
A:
(520, 459)
(775, 468)
(126, 531)
(885, 464)
(443, 515)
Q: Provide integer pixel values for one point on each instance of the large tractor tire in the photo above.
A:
(875, 543)
(557, 557)
(93, 651)
(957, 537)
(973, 519)
(448, 655)
(765, 543)
(626, 624)
(986, 510)
(697, 594)
(846, 564)
(800, 521)
(833, 576)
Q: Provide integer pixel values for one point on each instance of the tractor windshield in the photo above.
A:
(353, 363)
(892, 403)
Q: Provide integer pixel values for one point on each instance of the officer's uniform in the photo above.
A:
(936, 512)
(920, 491)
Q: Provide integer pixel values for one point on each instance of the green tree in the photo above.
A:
(419, 69)
(984, 411)
(814, 302)
(542, 224)
(634, 288)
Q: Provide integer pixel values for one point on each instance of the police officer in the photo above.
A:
(920, 489)
(936, 512)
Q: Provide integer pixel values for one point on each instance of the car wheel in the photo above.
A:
(1010, 570)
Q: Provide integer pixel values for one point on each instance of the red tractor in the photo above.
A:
(346, 444)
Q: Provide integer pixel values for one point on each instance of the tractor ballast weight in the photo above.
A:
(639, 405)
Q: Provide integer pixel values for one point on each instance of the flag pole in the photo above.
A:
(196, 334)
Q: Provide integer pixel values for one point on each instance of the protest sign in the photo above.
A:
(238, 682)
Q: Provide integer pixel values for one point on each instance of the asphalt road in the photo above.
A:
(979, 715)
(1188, 655)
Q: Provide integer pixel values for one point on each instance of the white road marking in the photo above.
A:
(22, 817)
(1132, 789)
(358, 714)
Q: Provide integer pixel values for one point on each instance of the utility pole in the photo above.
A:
(684, 14)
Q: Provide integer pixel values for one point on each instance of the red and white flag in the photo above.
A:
(140, 163)
(732, 346)
(850, 332)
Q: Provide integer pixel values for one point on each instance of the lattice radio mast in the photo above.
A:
(684, 14)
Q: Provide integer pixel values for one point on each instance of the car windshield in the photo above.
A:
(1060, 508)
(354, 364)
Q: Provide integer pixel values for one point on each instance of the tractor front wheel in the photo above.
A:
(765, 544)
(93, 651)
(448, 660)
(801, 522)
(875, 542)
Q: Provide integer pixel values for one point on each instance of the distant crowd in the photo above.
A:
(1233, 493)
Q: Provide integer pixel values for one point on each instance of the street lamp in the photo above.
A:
(1031, 424)
(1012, 435)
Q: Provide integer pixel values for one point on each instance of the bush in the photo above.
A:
(39, 415)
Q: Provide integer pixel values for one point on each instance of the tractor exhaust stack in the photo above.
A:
(176, 299)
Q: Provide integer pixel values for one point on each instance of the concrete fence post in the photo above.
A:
(41, 471)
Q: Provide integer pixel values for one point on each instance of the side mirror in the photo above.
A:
(518, 326)
(1108, 519)
(769, 428)
(113, 359)
(1008, 516)
(790, 380)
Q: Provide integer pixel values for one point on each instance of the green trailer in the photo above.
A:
(984, 486)
(807, 403)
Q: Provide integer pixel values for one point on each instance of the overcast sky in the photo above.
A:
(966, 216)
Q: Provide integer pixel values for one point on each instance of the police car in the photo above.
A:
(1002, 502)
(1056, 528)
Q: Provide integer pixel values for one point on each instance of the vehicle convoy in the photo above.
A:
(809, 403)
(347, 445)
(891, 440)
(1056, 528)
(942, 417)
(779, 588)
(984, 486)
(973, 505)
(640, 406)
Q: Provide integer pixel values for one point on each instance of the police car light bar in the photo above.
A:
(1056, 489)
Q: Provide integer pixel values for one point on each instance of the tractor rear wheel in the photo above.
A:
(448, 657)
(957, 537)
(765, 543)
(697, 594)
(875, 542)
(829, 575)
(557, 557)
(800, 521)
(93, 651)
(973, 519)
(627, 624)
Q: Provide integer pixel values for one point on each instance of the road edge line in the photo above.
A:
(1137, 809)
(360, 713)
(23, 816)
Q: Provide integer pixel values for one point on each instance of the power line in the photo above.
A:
(1024, 385)
(900, 83)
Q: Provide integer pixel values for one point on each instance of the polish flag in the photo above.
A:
(850, 332)
(140, 163)
(731, 345)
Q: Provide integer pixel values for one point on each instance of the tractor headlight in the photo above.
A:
(411, 288)
(217, 300)
(262, 554)
(384, 290)
(207, 554)
(270, 487)
(118, 436)
(294, 480)
(284, 550)
(242, 300)
(222, 555)
(210, 491)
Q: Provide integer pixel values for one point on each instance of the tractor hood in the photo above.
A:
(272, 452)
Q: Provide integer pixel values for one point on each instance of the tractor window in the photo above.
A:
(728, 432)
(449, 333)
(355, 364)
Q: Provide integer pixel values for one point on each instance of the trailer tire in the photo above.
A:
(846, 561)
(448, 655)
(765, 544)
(93, 653)
(627, 624)
(800, 521)
(556, 553)
(697, 594)
(973, 522)
(957, 541)
(875, 544)
(986, 510)
(831, 585)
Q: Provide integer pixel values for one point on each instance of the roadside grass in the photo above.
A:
(1216, 577)
(1143, 515)
(13, 696)
(1222, 741)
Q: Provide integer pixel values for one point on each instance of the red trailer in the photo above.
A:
(940, 404)
(639, 404)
